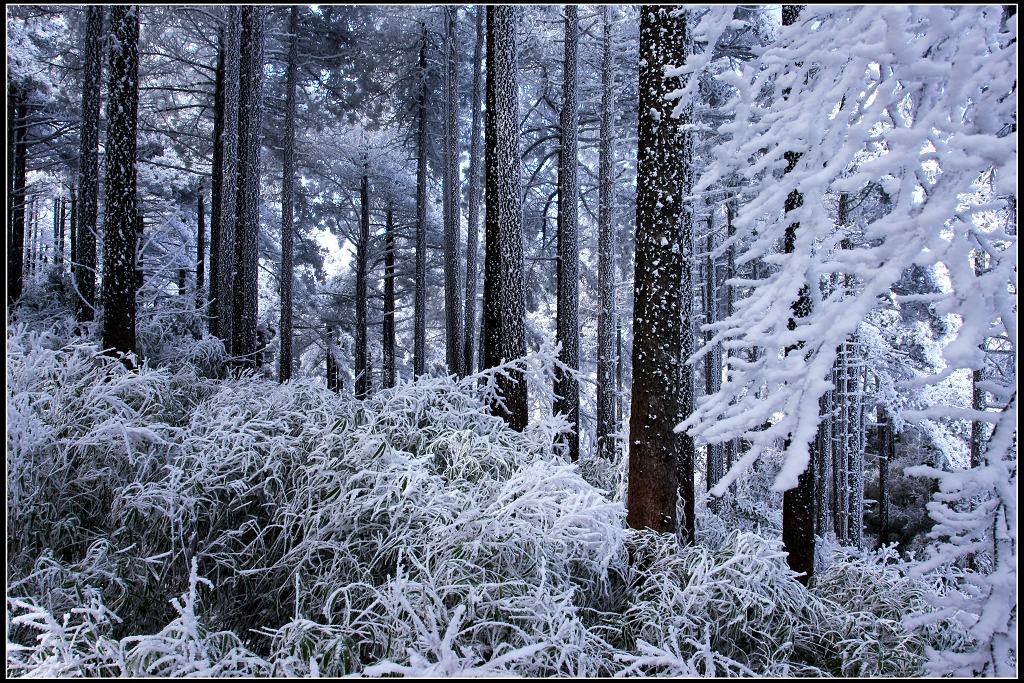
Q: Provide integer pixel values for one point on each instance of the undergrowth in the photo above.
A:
(164, 522)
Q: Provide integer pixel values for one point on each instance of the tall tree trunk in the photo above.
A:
(247, 226)
(16, 226)
(362, 382)
(200, 254)
(88, 165)
(715, 465)
(857, 514)
(886, 455)
(140, 234)
(567, 387)
(216, 193)
(74, 235)
(420, 316)
(823, 477)
(606, 426)
(450, 200)
(661, 462)
(226, 268)
(120, 236)
(504, 294)
(332, 363)
(473, 199)
(798, 503)
(620, 394)
(287, 196)
(732, 445)
(62, 231)
(388, 354)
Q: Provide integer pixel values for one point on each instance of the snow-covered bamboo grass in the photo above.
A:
(166, 523)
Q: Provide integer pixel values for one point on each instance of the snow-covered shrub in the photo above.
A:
(164, 523)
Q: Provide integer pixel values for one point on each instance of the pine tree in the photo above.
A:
(567, 320)
(120, 228)
(504, 294)
(798, 503)
(88, 166)
(390, 375)
(216, 193)
(226, 269)
(287, 197)
(661, 462)
(473, 200)
(362, 382)
(450, 200)
(420, 314)
(715, 465)
(606, 424)
(247, 225)
(18, 149)
(200, 253)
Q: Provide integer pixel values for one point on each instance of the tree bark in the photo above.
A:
(473, 199)
(73, 254)
(226, 269)
(362, 380)
(715, 465)
(450, 200)
(390, 376)
(504, 294)
(287, 197)
(120, 230)
(661, 462)
(567, 389)
(247, 226)
(216, 193)
(420, 315)
(798, 502)
(16, 226)
(88, 165)
(200, 254)
(606, 424)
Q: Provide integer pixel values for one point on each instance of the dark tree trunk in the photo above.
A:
(250, 104)
(16, 226)
(715, 464)
(287, 196)
(72, 223)
(661, 462)
(504, 295)
(140, 234)
(216, 201)
(226, 268)
(731, 446)
(567, 323)
(332, 363)
(886, 454)
(121, 217)
(62, 231)
(798, 503)
(88, 165)
(200, 254)
(362, 382)
(606, 426)
(420, 322)
(388, 354)
(620, 394)
(473, 199)
(450, 201)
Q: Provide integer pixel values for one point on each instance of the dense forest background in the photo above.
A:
(463, 340)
